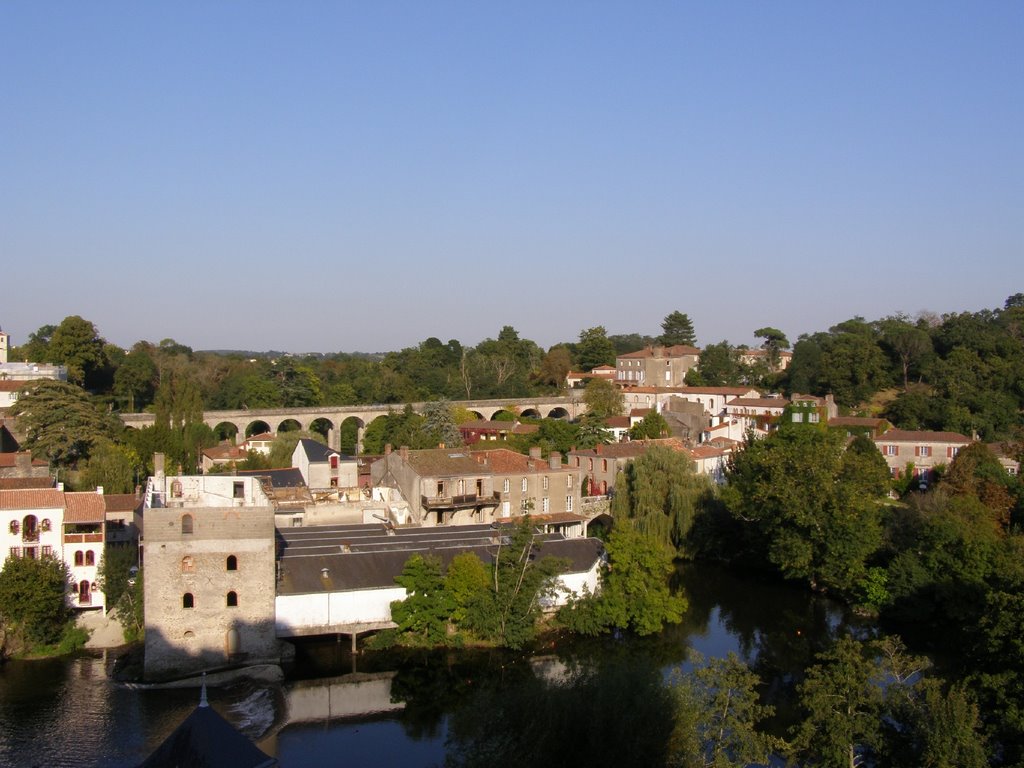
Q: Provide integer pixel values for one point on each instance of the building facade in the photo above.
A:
(210, 573)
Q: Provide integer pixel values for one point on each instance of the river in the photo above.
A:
(586, 701)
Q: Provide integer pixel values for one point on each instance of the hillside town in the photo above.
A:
(277, 525)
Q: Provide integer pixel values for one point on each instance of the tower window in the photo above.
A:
(187, 601)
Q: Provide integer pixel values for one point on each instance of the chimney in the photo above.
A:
(404, 452)
(387, 449)
(555, 460)
(658, 350)
(597, 449)
(99, 490)
(535, 452)
(158, 467)
(23, 463)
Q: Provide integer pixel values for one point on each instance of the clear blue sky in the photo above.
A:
(363, 175)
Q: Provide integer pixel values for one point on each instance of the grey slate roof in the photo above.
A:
(317, 452)
(207, 740)
(287, 477)
(373, 557)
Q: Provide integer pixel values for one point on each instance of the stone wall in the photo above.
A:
(224, 568)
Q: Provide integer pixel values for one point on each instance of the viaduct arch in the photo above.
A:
(247, 422)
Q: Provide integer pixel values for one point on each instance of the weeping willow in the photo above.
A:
(658, 493)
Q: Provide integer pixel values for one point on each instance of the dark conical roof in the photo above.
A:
(207, 740)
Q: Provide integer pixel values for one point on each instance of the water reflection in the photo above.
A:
(598, 700)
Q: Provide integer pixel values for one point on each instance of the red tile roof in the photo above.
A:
(84, 507)
(19, 483)
(630, 449)
(120, 502)
(923, 436)
(678, 350)
(757, 402)
(503, 461)
(10, 460)
(49, 498)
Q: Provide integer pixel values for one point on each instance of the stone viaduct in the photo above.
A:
(327, 419)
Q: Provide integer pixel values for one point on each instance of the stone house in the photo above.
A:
(601, 464)
(324, 468)
(210, 573)
(919, 451)
(656, 366)
(530, 484)
(442, 486)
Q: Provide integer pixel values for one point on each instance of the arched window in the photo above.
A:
(186, 523)
(90, 557)
(187, 564)
(79, 558)
(232, 599)
(187, 601)
(232, 564)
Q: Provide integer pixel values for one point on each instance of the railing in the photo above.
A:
(82, 538)
(434, 502)
(30, 535)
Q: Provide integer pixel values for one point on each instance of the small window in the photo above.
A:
(544, 484)
(604, 465)
(568, 503)
(186, 523)
(232, 564)
(797, 418)
(525, 485)
(90, 557)
(232, 599)
(187, 601)
(188, 565)
(506, 485)
(545, 505)
(568, 480)
(79, 558)
(334, 462)
(239, 489)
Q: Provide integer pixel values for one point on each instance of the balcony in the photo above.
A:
(450, 502)
(32, 535)
(83, 538)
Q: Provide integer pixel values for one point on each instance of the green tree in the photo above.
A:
(719, 714)
(61, 421)
(465, 580)
(842, 703)
(114, 572)
(815, 505)
(635, 593)
(37, 348)
(659, 493)
(439, 422)
(908, 344)
(519, 580)
(650, 427)
(33, 608)
(555, 367)
(77, 345)
(135, 379)
(677, 328)
(603, 399)
(422, 617)
(719, 366)
(594, 348)
(117, 468)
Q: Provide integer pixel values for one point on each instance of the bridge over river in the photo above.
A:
(328, 418)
